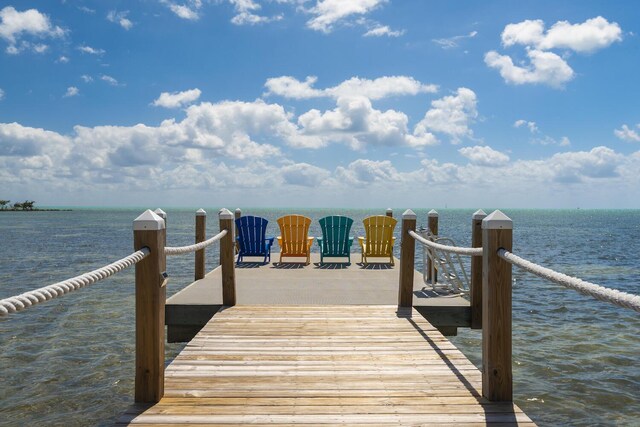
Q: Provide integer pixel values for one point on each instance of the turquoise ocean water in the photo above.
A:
(70, 361)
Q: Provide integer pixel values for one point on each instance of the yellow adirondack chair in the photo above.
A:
(294, 237)
(379, 237)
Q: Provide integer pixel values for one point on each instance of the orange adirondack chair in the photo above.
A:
(294, 237)
(379, 238)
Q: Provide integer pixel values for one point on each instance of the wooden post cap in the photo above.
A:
(479, 214)
(238, 211)
(389, 210)
(148, 220)
(201, 212)
(496, 220)
(225, 214)
(432, 213)
(409, 214)
(162, 214)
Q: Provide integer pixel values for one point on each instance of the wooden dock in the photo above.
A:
(331, 284)
(322, 365)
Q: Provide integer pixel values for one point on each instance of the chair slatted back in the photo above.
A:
(251, 233)
(335, 233)
(379, 234)
(294, 230)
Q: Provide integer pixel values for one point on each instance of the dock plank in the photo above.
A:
(347, 365)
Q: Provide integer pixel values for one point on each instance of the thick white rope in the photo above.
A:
(601, 293)
(446, 248)
(180, 250)
(28, 299)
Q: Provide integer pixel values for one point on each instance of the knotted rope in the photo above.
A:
(601, 293)
(180, 250)
(30, 298)
(446, 248)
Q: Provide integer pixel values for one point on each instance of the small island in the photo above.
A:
(26, 206)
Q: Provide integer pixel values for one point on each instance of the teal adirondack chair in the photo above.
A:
(335, 240)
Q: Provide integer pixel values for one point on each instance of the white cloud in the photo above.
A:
(484, 156)
(71, 91)
(245, 13)
(109, 79)
(379, 88)
(453, 42)
(86, 78)
(589, 36)
(383, 30)
(120, 18)
(450, 115)
(330, 12)
(627, 134)
(177, 99)
(63, 59)
(188, 10)
(90, 50)
(355, 122)
(363, 172)
(14, 25)
(1, 94)
(533, 128)
(304, 174)
(545, 68)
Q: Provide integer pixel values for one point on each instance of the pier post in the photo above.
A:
(389, 212)
(237, 214)
(432, 275)
(201, 236)
(149, 231)
(227, 259)
(497, 379)
(162, 214)
(407, 259)
(475, 291)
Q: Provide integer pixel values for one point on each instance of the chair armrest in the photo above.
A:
(319, 240)
(350, 241)
(279, 240)
(269, 241)
(309, 241)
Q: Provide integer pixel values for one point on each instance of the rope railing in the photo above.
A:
(446, 248)
(46, 293)
(181, 250)
(598, 292)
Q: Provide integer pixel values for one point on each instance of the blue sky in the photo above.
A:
(320, 103)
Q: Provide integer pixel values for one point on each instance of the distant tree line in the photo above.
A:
(27, 205)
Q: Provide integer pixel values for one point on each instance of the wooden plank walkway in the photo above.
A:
(322, 365)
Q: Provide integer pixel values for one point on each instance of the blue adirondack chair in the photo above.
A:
(251, 238)
(335, 240)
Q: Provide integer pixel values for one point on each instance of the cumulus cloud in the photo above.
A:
(90, 50)
(625, 133)
(453, 42)
(120, 18)
(86, 78)
(15, 25)
(63, 59)
(71, 91)
(328, 13)
(451, 115)
(533, 128)
(379, 88)
(177, 99)
(363, 172)
(589, 36)
(546, 67)
(304, 174)
(484, 156)
(1, 94)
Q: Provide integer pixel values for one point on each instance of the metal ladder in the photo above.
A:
(452, 275)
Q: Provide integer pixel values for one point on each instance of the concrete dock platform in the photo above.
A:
(297, 284)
